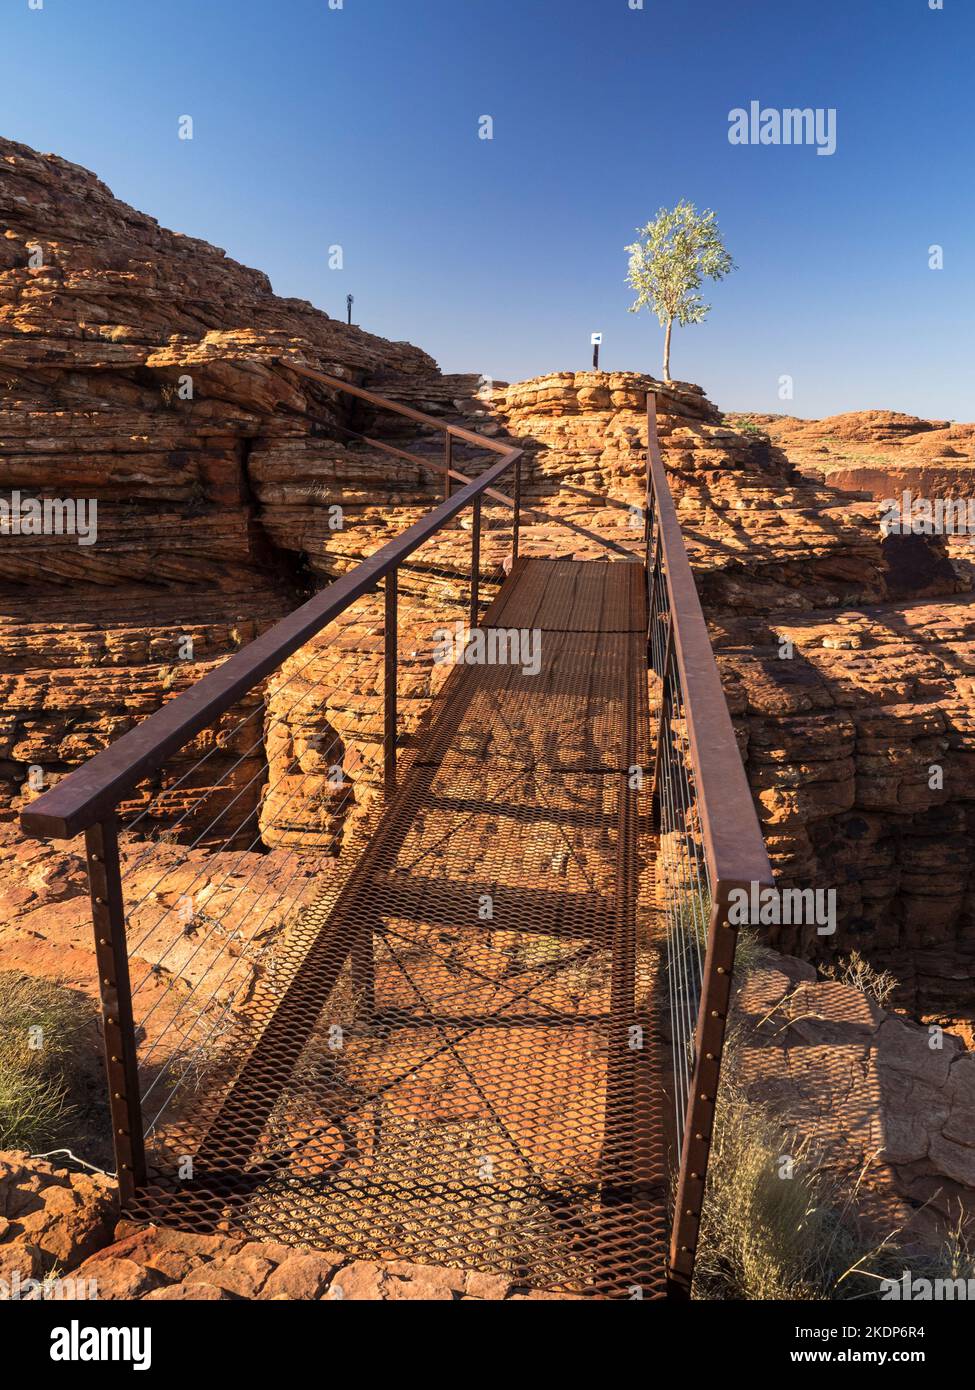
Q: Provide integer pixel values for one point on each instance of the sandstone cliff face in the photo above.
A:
(878, 452)
(847, 658)
(138, 371)
(144, 371)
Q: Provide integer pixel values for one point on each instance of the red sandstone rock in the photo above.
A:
(57, 1218)
(302, 1276)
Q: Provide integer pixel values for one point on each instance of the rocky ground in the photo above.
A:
(59, 1237)
(880, 1104)
(887, 1105)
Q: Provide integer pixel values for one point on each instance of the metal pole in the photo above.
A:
(475, 562)
(516, 523)
(111, 955)
(448, 458)
(666, 676)
(389, 694)
(348, 306)
(699, 1121)
(648, 485)
(595, 357)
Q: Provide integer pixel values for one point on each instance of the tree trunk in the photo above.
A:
(670, 324)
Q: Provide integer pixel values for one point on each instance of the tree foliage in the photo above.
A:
(676, 253)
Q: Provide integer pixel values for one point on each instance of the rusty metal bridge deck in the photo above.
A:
(459, 1061)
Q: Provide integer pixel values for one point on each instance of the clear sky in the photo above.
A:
(358, 126)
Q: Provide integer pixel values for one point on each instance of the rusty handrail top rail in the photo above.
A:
(91, 791)
(733, 840)
(456, 431)
(383, 403)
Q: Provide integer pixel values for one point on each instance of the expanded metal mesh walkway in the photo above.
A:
(458, 1060)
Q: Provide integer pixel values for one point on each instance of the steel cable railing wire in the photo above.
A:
(281, 720)
(173, 1022)
(675, 887)
(258, 838)
(686, 873)
(208, 828)
(678, 960)
(216, 923)
(216, 989)
(337, 741)
(688, 905)
(263, 705)
(293, 676)
(688, 885)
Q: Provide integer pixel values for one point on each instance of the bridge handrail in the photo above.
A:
(701, 790)
(93, 790)
(732, 836)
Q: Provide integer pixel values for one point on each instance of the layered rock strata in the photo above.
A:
(847, 657)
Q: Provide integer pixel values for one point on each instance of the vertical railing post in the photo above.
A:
(475, 562)
(648, 484)
(709, 1039)
(389, 683)
(663, 726)
(448, 458)
(516, 523)
(112, 958)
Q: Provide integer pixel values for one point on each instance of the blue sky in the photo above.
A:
(358, 126)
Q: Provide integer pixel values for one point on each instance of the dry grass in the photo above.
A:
(879, 985)
(771, 1229)
(957, 1258)
(41, 1040)
(776, 1228)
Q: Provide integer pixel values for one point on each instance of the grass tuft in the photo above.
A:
(879, 985)
(769, 1229)
(41, 1039)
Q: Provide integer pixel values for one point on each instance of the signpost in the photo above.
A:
(348, 305)
(596, 341)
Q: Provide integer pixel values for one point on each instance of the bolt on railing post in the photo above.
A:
(112, 958)
(516, 523)
(389, 683)
(709, 1038)
(475, 562)
(448, 458)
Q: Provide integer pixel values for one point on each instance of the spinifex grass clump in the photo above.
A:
(41, 1030)
(691, 924)
(771, 1228)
